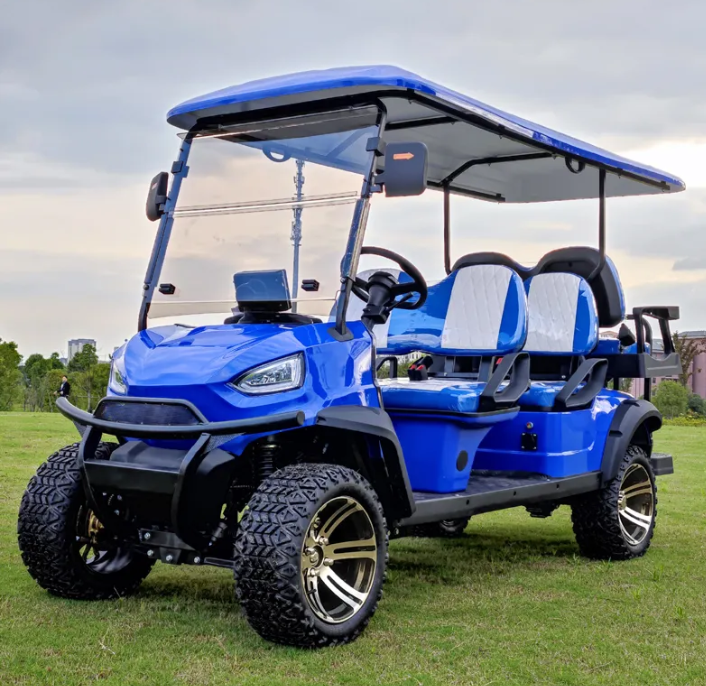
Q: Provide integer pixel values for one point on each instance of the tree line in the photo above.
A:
(32, 386)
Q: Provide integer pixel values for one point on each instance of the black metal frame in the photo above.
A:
(498, 491)
(234, 427)
(152, 477)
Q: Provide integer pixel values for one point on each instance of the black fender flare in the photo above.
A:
(386, 470)
(634, 422)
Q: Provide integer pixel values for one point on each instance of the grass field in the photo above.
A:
(510, 603)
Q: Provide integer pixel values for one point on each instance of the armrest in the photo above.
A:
(591, 373)
(517, 367)
(393, 365)
(664, 314)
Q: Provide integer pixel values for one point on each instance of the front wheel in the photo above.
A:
(617, 522)
(64, 546)
(311, 555)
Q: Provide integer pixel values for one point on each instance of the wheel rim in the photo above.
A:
(99, 552)
(338, 560)
(636, 504)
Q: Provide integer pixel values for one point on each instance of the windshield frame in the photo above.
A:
(349, 262)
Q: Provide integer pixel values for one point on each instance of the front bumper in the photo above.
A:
(199, 426)
(181, 489)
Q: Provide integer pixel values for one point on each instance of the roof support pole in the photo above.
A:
(601, 225)
(601, 214)
(447, 229)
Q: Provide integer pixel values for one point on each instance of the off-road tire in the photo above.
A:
(46, 533)
(596, 521)
(268, 550)
(448, 528)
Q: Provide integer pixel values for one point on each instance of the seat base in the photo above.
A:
(454, 396)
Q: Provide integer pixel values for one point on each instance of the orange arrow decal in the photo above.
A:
(402, 156)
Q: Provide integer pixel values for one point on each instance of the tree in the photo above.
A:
(10, 374)
(90, 386)
(671, 399)
(688, 349)
(38, 387)
(697, 404)
(83, 360)
(626, 385)
(55, 362)
(52, 382)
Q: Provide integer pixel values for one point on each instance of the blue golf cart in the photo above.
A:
(263, 426)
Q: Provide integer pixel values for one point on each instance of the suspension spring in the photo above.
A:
(265, 462)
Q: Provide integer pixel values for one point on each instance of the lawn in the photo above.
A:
(509, 603)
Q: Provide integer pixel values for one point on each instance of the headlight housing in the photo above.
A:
(284, 374)
(117, 382)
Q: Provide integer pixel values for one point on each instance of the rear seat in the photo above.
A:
(563, 322)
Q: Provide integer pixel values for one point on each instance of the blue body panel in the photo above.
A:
(328, 83)
(568, 443)
(197, 364)
(439, 449)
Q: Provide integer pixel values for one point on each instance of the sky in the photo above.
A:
(85, 88)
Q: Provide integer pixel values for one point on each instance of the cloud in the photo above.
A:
(85, 89)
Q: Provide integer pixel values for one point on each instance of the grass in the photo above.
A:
(510, 603)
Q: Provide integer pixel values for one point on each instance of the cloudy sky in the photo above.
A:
(84, 89)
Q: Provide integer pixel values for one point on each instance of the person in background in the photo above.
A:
(65, 388)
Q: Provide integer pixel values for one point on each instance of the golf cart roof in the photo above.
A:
(474, 149)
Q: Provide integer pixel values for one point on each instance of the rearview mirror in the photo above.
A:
(157, 196)
(405, 169)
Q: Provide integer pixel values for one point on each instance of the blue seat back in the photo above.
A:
(562, 315)
(477, 310)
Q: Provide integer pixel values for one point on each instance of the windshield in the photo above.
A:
(267, 196)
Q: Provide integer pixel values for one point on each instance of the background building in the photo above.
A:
(76, 346)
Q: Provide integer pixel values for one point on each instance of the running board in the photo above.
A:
(489, 491)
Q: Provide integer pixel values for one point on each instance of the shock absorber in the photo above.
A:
(265, 458)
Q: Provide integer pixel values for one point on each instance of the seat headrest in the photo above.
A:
(582, 261)
(476, 258)
(562, 315)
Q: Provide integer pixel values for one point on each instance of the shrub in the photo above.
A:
(671, 399)
(687, 420)
(697, 405)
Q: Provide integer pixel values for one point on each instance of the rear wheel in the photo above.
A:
(311, 555)
(64, 546)
(618, 521)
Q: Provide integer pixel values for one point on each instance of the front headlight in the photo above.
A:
(117, 382)
(282, 375)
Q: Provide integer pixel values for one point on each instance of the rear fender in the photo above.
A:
(634, 423)
(383, 462)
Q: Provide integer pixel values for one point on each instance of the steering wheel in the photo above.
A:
(418, 285)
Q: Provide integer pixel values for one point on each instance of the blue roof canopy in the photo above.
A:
(474, 148)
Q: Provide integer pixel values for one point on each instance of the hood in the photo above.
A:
(179, 356)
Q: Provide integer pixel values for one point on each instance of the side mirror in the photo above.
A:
(157, 196)
(405, 169)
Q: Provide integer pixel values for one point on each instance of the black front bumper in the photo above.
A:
(198, 427)
(181, 489)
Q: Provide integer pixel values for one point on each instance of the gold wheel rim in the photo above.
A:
(338, 560)
(636, 504)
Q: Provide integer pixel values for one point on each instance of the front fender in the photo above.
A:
(386, 471)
